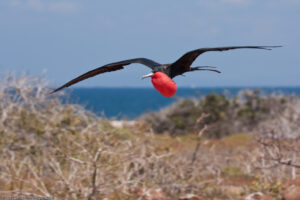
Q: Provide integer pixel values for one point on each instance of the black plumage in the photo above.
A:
(182, 65)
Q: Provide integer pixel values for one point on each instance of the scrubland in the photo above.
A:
(213, 147)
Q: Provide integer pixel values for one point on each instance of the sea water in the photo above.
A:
(131, 103)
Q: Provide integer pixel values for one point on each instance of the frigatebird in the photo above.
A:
(162, 74)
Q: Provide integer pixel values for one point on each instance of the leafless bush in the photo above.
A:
(276, 151)
(52, 149)
(279, 140)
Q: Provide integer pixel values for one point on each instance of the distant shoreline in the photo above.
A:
(130, 103)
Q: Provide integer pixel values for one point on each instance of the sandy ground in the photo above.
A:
(122, 123)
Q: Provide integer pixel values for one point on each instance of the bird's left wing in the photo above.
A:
(109, 68)
(184, 62)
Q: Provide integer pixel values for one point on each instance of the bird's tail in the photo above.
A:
(206, 68)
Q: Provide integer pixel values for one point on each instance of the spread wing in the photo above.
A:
(183, 64)
(109, 68)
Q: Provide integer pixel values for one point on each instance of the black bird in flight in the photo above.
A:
(162, 74)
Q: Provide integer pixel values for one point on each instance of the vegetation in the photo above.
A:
(246, 112)
(52, 149)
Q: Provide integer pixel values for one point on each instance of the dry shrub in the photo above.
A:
(52, 149)
(278, 152)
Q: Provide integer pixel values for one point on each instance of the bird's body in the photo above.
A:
(162, 74)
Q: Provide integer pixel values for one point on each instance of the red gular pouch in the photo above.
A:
(162, 82)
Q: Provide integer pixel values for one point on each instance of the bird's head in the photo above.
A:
(163, 83)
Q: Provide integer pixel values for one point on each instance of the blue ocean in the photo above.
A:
(130, 103)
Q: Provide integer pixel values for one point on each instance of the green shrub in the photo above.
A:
(226, 116)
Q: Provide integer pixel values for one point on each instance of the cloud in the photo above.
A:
(14, 3)
(246, 2)
(236, 1)
(65, 6)
(224, 2)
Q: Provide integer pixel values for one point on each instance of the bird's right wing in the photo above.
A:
(184, 62)
(109, 68)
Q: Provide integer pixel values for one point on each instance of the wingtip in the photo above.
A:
(56, 90)
(271, 47)
(52, 92)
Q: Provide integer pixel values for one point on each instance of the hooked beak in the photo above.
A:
(148, 75)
